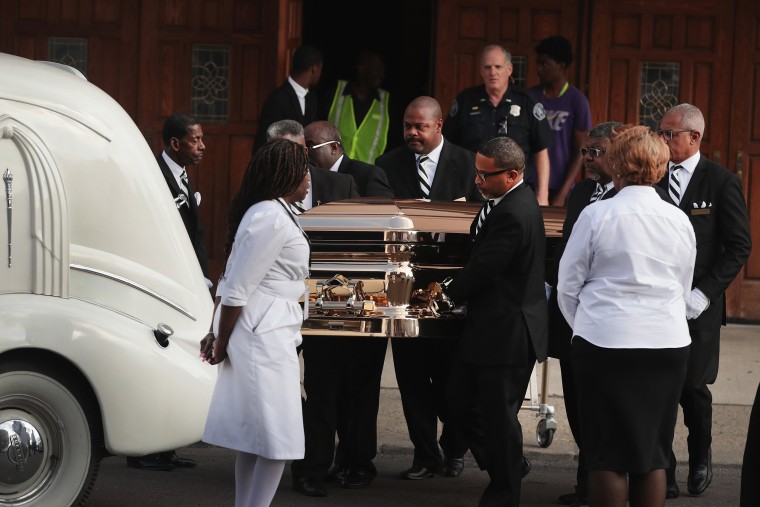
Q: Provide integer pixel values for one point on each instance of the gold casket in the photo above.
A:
(373, 260)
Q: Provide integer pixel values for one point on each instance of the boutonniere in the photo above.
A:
(197, 198)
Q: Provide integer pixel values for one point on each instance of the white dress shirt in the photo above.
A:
(626, 272)
(300, 93)
(685, 174)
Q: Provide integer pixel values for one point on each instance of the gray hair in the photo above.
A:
(691, 117)
(282, 128)
(604, 129)
(505, 152)
(507, 54)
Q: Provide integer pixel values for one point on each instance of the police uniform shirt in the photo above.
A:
(473, 119)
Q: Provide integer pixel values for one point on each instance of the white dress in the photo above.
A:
(256, 405)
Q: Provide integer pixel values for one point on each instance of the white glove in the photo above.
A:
(696, 303)
(548, 289)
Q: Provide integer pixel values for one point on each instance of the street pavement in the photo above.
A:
(211, 483)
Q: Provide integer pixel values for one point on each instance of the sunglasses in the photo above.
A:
(317, 146)
(595, 152)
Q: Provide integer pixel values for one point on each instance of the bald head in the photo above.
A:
(423, 121)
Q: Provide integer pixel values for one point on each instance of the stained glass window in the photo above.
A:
(71, 51)
(659, 91)
(210, 82)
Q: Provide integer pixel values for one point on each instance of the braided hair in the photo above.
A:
(276, 170)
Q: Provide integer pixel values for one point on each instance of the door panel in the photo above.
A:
(744, 152)
(257, 38)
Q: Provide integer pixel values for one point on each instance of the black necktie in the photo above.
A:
(598, 193)
(423, 177)
(484, 211)
(674, 185)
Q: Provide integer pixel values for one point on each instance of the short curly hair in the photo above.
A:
(637, 156)
(557, 48)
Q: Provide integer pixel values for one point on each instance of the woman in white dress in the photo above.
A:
(256, 405)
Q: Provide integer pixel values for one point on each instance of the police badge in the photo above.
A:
(514, 110)
(539, 112)
(454, 108)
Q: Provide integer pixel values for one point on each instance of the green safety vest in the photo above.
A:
(368, 141)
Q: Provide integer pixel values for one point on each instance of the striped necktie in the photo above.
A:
(598, 193)
(184, 184)
(484, 211)
(423, 177)
(674, 185)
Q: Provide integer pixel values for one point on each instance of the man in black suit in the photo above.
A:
(295, 98)
(596, 187)
(341, 375)
(432, 168)
(505, 330)
(325, 186)
(183, 145)
(712, 198)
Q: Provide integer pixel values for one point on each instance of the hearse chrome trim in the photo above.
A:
(134, 285)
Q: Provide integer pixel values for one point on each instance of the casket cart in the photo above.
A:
(372, 264)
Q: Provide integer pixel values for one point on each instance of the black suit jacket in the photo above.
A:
(189, 214)
(282, 104)
(454, 175)
(329, 186)
(723, 236)
(503, 285)
(370, 180)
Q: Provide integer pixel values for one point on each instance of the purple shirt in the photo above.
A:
(566, 114)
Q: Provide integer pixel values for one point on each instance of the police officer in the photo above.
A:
(497, 109)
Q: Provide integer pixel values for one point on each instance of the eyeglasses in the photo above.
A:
(668, 134)
(317, 146)
(484, 175)
(595, 152)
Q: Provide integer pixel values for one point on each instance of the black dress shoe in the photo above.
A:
(452, 467)
(672, 491)
(336, 474)
(358, 478)
(418, 472)
(309, 486)
(568, 499)
(151, 462)
(178, 462)
(525, 467)
(700, 476)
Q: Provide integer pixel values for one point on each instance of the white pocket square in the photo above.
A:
(198, 198)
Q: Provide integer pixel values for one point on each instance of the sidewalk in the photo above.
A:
(733, 394)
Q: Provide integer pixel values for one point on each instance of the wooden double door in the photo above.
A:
(634, 60)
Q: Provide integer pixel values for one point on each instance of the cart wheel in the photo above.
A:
(544, 436)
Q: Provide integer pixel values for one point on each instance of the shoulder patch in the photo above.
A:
(454, 108)
(539, 112)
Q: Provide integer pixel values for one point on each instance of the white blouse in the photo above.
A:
(626, 272)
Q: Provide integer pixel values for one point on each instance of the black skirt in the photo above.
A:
(628, 404)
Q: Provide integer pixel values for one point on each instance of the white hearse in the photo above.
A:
(102, 300)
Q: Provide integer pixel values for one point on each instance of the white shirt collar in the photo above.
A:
(689, 164)
(300, 90)
(175, 168)
(497, 200)
(434, 155)
(334, 167)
